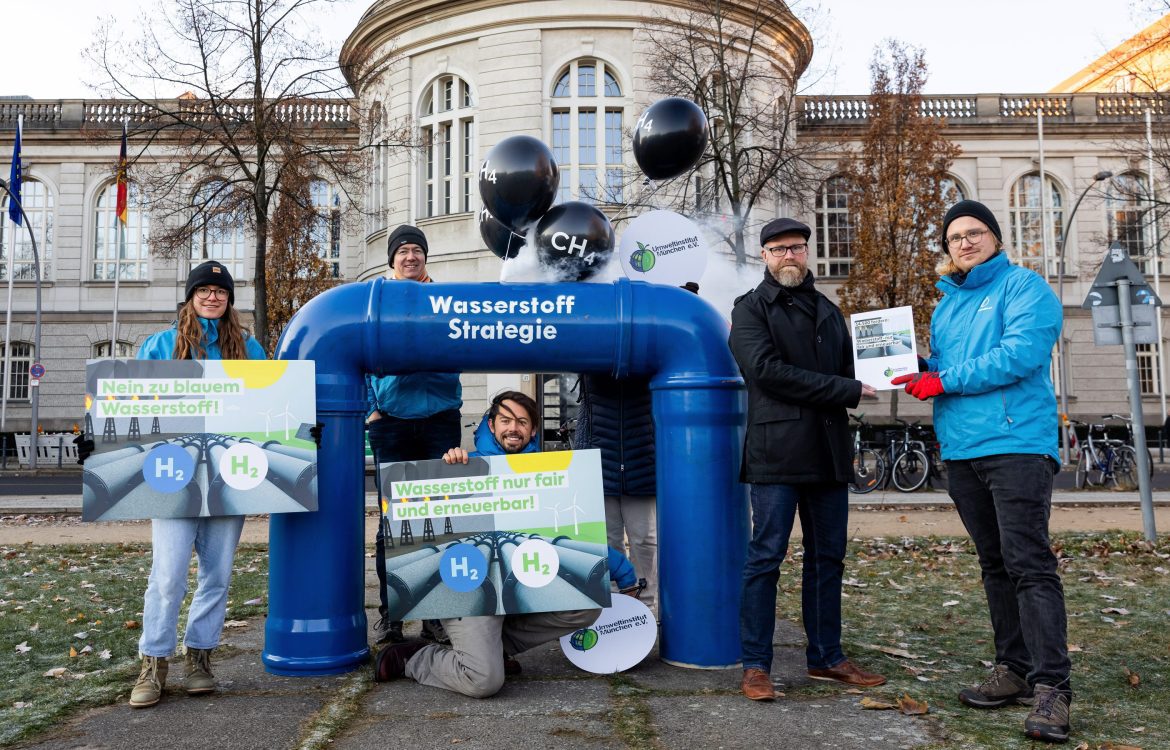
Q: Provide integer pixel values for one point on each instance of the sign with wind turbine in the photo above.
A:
(215, 451)
(519, 533)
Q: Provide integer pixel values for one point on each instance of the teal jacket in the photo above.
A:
(414, 396)
(161, 345)
(991, 341)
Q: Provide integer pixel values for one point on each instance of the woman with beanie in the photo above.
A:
(207, 328)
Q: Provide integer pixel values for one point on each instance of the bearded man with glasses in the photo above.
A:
(793, 347)
(991, 339)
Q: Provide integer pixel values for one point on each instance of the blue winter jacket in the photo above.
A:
(991, 342)
(161, 345)
(414, 396)
(621, 570)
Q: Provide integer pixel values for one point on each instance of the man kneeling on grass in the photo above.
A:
(481, 649)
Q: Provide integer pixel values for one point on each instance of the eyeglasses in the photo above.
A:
(203, 292)
(971, 235)
(779, 251)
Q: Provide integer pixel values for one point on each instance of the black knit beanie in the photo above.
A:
(405, 235)
(211, 273)
(975, 210)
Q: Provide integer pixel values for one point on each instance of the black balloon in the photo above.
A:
(574, 240)
(518, 181)
(503, 242)
(669, 138)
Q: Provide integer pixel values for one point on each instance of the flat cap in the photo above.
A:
(783, 226)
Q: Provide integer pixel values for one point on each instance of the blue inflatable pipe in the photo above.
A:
(316, 623)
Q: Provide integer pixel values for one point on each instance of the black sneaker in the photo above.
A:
(1002, 687)
(433, 631)
(1048, 720)
(386, 631)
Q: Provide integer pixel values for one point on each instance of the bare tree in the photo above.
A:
(723, 55)
(897, 198)
(256, 93)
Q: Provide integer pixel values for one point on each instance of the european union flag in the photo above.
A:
(14, 201)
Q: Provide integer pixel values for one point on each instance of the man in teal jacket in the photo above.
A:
(991, 340)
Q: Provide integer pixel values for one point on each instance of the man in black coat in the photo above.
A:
(794, 349)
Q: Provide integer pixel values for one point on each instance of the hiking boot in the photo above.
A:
(199, 680)
(1002, 687)
(151, 680)
(1048, 720)
(512, 667)
(386, 631)
(433, 631)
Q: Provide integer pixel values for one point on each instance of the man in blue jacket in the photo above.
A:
(411, 417)
(481, 647)
(991, 340)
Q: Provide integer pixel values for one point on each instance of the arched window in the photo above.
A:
(16, 255)
(219, 228)
(327, 224)
(951, 191)
(124, 350)
(1127, 216)
(447, 128)
(379, 164)
(587, 128)
(1027, 226)
(834, 228)
(22, 358)
(131, 261)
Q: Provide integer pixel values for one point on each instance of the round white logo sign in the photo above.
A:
(663, 247)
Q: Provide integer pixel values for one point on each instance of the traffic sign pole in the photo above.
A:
(1135, 404)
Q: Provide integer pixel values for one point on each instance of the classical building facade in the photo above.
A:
(468, 73)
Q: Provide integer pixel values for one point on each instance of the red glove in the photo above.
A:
(922, 386)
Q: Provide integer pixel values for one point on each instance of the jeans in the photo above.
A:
(824, 516)
(214, 540)
(474, 664)
(634, 517)
(394, 439)
(1004, 502)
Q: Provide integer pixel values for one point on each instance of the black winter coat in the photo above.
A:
(799, 373)
(616, 417)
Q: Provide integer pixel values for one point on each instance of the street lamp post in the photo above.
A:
(34, 401)
(1064, 442)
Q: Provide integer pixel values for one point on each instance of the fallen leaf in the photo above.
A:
(105, 654)
(22, 704)
(131, 625)
(876, 705)
(1114, 746)
(1074, 648)
(254, 602)
(55, 672)
(23, 647)
(910, 707)
(87, 650)
(72, 652)
(81, 635)
(236, 624)
(903, 519)
(35, 627)
(1115, 611)
(1132, 678)
(901, 652)
(951, 603)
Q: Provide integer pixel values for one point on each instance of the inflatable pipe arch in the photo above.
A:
(316, 618)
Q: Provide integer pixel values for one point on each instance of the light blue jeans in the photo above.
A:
(214, 541)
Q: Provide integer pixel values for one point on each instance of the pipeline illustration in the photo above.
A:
(416, 591)
(114, 485)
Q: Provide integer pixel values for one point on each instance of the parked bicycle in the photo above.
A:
(909, 463)
(869, 470)
(1128, 440)
(1104, 461)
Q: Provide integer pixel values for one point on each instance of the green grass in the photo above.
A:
(592, 531)
(53, 599)
(924, 596)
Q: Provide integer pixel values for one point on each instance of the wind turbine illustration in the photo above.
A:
(557, 510)
(287, 415)
(267, 421)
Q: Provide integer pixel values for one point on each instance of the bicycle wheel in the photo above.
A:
(1124, 468)
(938, 471)
(868, 471)
(1089, 472)
(910, 470)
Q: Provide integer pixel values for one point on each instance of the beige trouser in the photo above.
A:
(634, 517)
(474, 663)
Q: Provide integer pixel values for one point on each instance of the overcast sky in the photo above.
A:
(971, 47)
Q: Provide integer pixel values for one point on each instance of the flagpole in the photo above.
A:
(8, 307)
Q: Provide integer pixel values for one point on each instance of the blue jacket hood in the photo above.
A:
(161, 345)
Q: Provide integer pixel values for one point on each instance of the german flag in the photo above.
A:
(123, 183)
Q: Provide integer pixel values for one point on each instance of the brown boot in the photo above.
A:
(757, 685)
(848, 673)
(151, 681)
